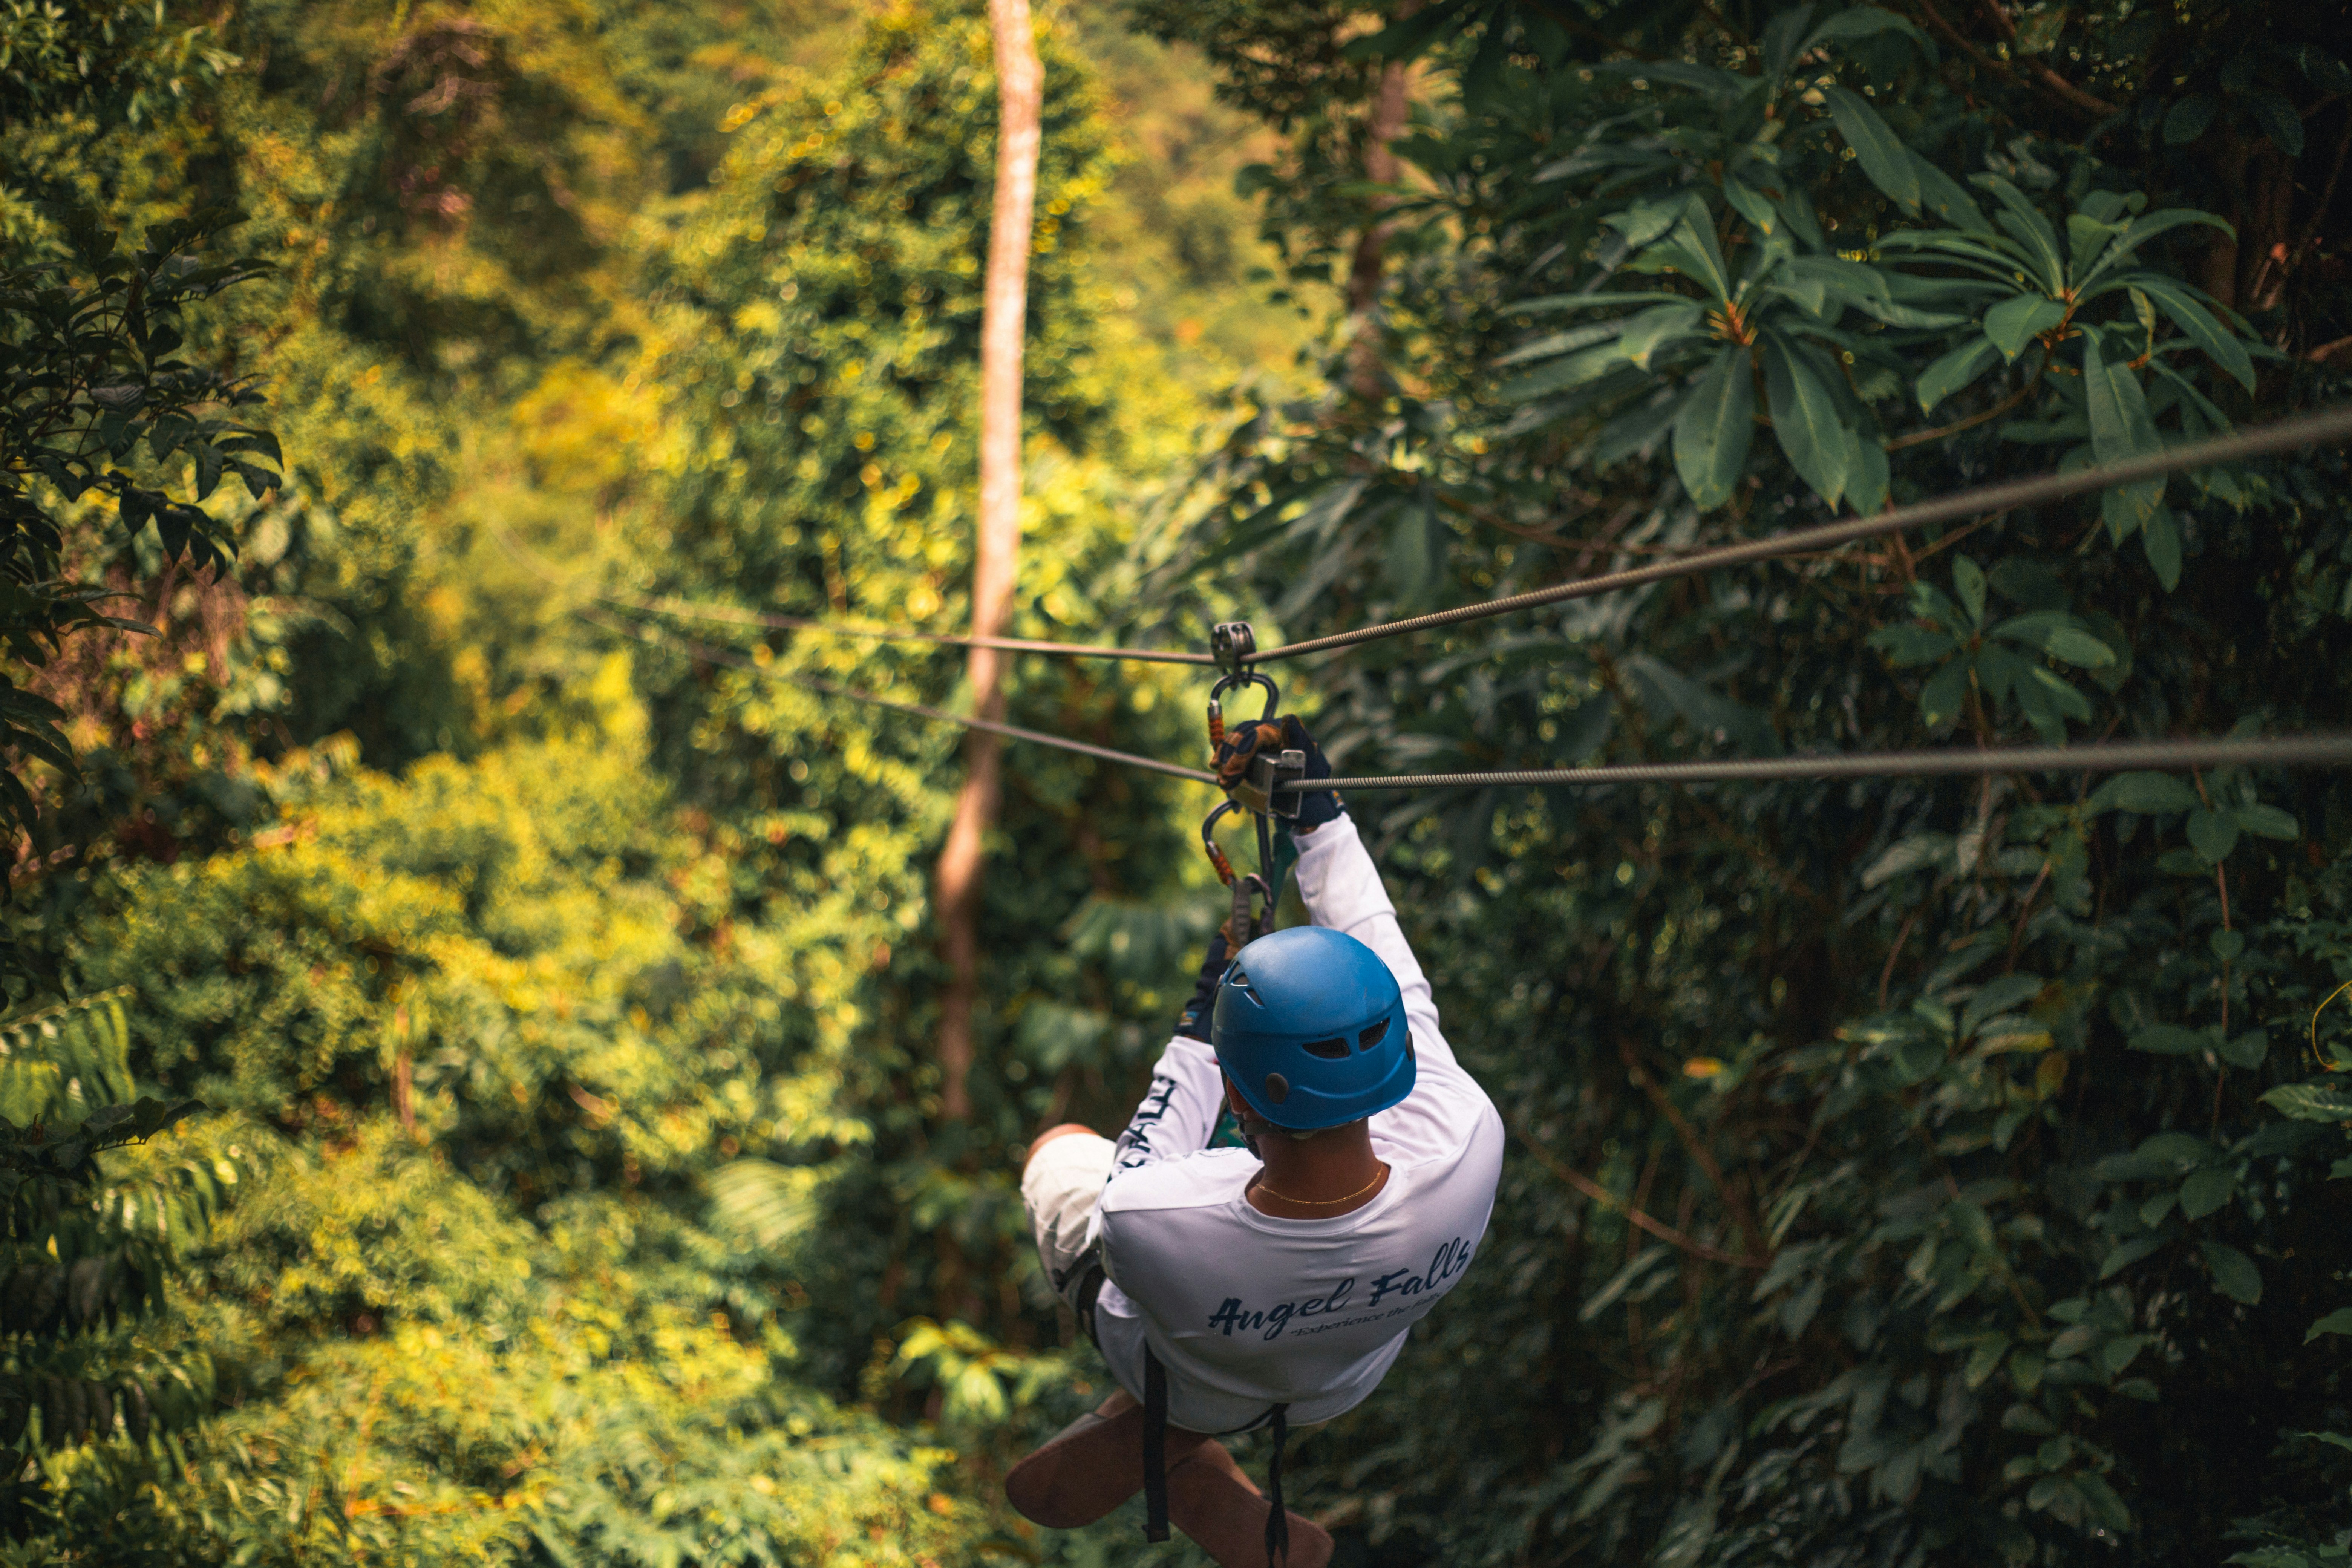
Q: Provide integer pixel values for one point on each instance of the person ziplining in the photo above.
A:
(1269, 1287)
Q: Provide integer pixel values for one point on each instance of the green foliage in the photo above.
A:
(121, 56)
(93, 1229)
(89, 353)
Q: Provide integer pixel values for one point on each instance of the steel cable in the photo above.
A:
(663, 605)
(2101, 756)
(832, 688)
(2330, 425)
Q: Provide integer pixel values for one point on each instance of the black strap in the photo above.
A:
(1277, 1521)
(1155, 1448)
(1090, 1284)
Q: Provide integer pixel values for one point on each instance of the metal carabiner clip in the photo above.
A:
(1247, 922)
(1208, 841)
(1226, 683)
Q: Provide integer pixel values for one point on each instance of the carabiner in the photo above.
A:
(1226, 683)
(1208, 842)
(1247, 922)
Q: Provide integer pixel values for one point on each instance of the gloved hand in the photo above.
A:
(1244, 742)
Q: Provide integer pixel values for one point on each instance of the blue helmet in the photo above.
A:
(1311, 1025)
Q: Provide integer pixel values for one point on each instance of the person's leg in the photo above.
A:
(1061, 1182)
(1213, 1502)
(1091, 1465)
(1047, 1136)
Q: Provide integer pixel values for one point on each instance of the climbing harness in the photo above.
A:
(1155, 1463)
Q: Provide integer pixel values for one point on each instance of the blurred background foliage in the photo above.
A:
(555, 978)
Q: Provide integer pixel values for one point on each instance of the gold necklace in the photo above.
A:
(1325, 1202)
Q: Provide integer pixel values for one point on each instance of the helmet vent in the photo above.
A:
(1373, 1036)
(1330, 1050)
(1277, 1088)
(1240, 980)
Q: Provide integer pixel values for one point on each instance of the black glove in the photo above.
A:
(1242, 744)
(1194, 1022)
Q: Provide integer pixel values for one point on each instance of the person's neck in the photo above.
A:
(1333, 1173)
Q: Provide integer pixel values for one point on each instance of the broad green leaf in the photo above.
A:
(1805, 419)
(2265, 821)
(2205, 1190)
(1956, 370)
(1560, 374)
(2196, 322)
(2161, 538)
(1866, 482)
(1690, 248)
(2101, 1495)
(2128, 1253)
(1969, 582)
(1999, 996)
(1865, 289)
(1752, 205)
(2140, 230)
(1648, 220)
(2279, 121)
(2310, 1102)
(1861, 22)
(1563, 342)
(2186, 121)
(1712, 430)
(2078, 647)
(1553, 304)
(1658, 327)
(2234, 1274)
(1946, 692)
(1946, 197)
(1883, 155)
(1784, 40)
(2013, 323)
(2339, 1321)
(2247, 1050)
(1984, 1360)
(2211, 835)
(2023, 222)
(2061, 695)
(2086, 240)
(2121, 426)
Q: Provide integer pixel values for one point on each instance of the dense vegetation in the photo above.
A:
(1901, 1173)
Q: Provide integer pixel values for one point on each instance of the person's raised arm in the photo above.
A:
(1179, 1115)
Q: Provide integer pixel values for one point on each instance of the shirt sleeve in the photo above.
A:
(1342, 890)
(1178, 1116)
(1447, 1116)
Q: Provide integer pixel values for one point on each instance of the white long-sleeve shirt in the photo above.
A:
(1246, 1311)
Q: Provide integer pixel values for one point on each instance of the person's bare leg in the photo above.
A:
(1092, 1465)
(1213, 1502)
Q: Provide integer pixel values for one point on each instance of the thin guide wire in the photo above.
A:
(830, 689)
(663, 605)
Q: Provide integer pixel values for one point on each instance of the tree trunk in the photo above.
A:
(957, 887)
(1366, 266)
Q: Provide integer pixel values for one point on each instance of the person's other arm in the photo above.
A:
(1179, 1115)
